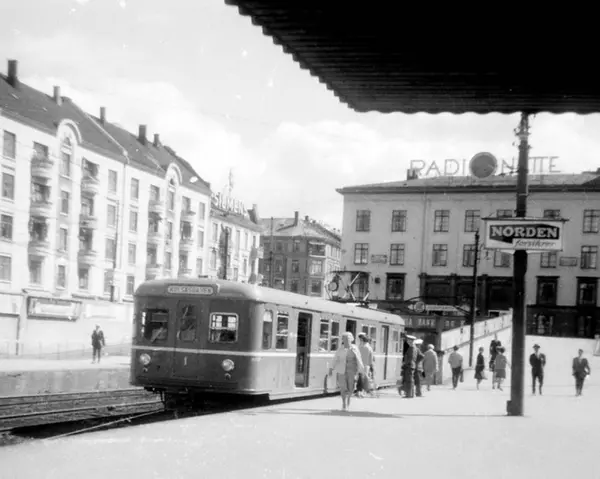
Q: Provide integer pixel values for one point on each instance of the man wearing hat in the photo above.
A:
(537, 360)
(409, 365)
(419, 368)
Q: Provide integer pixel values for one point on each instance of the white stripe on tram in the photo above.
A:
(282, 354)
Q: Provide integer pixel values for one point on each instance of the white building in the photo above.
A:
(234, 240)
(86, 205)
(415, 238)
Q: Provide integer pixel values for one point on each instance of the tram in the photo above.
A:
(193, 338)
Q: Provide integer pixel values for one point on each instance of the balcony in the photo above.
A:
(257, 253)
(87, 256)
(154, 237)
(188, 215)
(42, 167)
(90, 185)
(41, 207)
(157, 207)
(153, 270)
(39, 247)
(186, 244)
(88, 221)
(185, 273)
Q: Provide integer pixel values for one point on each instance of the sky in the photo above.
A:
(223, 96)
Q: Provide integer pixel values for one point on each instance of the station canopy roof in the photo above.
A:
(398, 57)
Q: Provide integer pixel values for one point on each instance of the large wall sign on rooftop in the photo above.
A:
(482, 165)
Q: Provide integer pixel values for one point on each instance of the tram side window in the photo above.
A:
(187, 322)
(282, 332)
(223, 328)
(155, 324)
(324, 335)
(335, 335)
(395, 341)
(267, 332)
(365, 329)
(373, 336)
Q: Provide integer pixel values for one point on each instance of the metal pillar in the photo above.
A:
(517, 380)
(474, 300)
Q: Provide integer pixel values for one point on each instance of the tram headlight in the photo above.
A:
(227, 365)
(145, 359)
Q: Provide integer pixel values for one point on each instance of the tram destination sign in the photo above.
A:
(190, 289)
(525, 234)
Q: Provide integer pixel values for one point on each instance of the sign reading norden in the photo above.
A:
(525, 234)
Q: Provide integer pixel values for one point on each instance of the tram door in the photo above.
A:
(185, 357)
(351, 327)
(303, 350)
(385, 332)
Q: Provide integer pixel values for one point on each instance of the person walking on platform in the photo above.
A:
(500, 365)
(430, 366)
(581, 369)
(347, 363)
(419, 368)
(537, 361)
(368, 359)
(456, 363)
(480, 367)
(409, 365)
(97, 343)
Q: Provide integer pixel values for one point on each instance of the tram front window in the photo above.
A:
(187, 321)
(155, 324)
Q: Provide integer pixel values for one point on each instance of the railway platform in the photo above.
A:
(463, 433)
(21, 377)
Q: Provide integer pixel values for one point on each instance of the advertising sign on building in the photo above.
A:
(523, 234)
(53, 308)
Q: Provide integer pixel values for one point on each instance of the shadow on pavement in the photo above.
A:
(364, 414)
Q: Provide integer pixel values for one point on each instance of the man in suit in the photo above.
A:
(409, 365)
(419, 368)
(581, 369)
(538, 362)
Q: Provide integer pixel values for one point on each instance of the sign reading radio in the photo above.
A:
(524, 234)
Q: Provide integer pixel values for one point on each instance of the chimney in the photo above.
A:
(412, 174)
(296, 216)
(142, 134)
(13, 78)
(57, 97)
(156, 140)
(255, 213)
(103, 114)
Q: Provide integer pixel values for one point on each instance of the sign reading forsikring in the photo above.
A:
(524, 234)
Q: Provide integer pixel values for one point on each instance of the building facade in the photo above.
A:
(415, 239)
(299, 254)
(88, 210)
(234, 240)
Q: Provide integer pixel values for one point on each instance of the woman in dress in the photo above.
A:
(480, 368)
(347, 363)
(500, 365)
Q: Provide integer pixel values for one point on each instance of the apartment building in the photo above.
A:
(415, 239)
(234, 240)
(300, 255)
(89, 210)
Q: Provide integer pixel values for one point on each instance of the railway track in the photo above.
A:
(30, 411)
